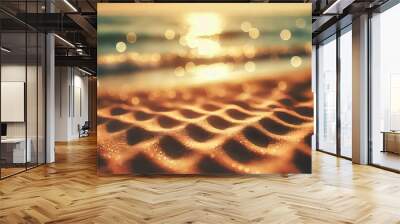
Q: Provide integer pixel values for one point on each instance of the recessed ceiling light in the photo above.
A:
(337, 7)
(70, 5)
(64, 40)
(84, 71)
(5, 50)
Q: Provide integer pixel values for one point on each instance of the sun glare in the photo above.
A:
(204, 24)
(218, 71)
(200, 28)
(208, 48)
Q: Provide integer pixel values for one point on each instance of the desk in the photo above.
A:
(391, 141)
(17, 151)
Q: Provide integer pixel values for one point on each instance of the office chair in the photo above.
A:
(84, 130)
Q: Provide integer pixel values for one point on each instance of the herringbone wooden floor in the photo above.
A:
(70, 191)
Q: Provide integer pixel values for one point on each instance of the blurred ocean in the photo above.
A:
(198, 43)
(150, 32)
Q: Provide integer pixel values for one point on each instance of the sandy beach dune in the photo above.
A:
(257, 126)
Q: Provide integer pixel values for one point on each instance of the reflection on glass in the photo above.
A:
(22, 92)
(327, 97)
(41, 99)
(346, 94)
(385, 85)
(31, 98)
(14, 153)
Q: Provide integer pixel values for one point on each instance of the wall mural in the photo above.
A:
(204, 88)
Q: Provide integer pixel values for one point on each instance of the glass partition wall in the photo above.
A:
(385, 89)
(334, 108)
(327, 95)
(13, 89)
(22, 93)
(345, 93)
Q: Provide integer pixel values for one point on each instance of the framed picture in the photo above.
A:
(204, 88)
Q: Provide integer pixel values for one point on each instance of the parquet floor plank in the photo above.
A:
(69, 191)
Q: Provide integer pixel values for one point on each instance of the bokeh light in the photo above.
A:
(135, 100)
(183, 41)
(300, 23)
(245, 26)
(296, 61)
(254, 33)
(286, 34)
(120, 47)
(189, 67)
(282, 85)
(131, 37)
(169, 34)
(249, 51)
(250, 66)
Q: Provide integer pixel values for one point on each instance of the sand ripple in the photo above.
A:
(258, 126)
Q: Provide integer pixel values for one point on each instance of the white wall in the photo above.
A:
(80, 115)
(11, 73)
(71, 93)
(61, 103)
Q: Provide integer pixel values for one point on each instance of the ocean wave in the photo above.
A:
(132, 62)
(113, 37)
